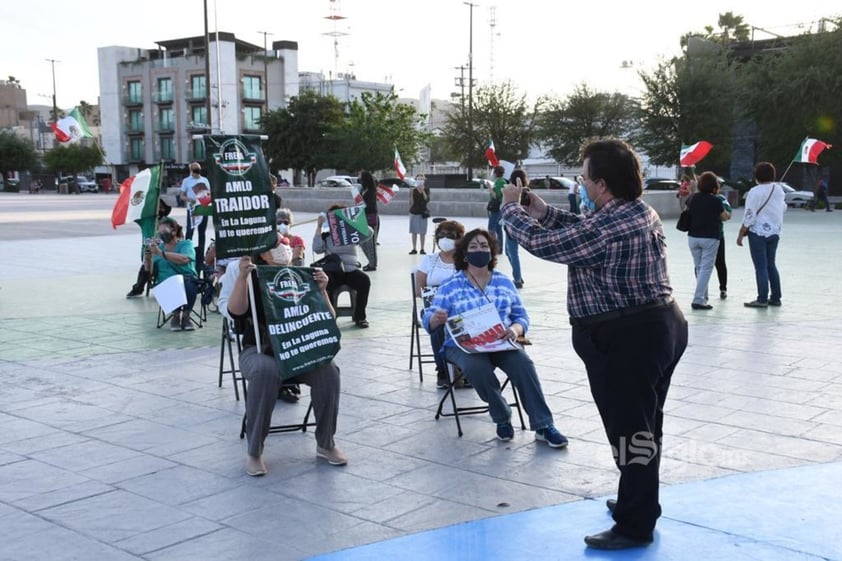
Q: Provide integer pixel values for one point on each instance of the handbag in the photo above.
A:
(683, 224)
(493, 205)
(330, 263)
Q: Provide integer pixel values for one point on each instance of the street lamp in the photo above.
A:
(471, 7)
(265, 72)
(53, 62)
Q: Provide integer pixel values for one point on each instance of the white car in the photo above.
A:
(338, 181)
(793, 197)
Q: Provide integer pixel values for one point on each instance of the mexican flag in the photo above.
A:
(693, 154)
(399, 167)
(491, 155)
(810, 150)
(386, 193)
(138, 200)
(71, 128)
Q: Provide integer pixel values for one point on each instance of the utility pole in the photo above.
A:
(53, 62)
(471, 6)
(207, 73)
(265, 72)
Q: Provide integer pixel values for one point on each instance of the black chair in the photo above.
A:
(229, 339)
(302, 426)
(415, 353)
(456, 376)
(352, 298)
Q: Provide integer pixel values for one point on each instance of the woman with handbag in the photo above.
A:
(419, 196)
(706, 215)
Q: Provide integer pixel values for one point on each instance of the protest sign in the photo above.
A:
(300, 325)
(479, 331)
(348, 226)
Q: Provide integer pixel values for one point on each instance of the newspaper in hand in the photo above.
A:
(427, 294)
(479, 331)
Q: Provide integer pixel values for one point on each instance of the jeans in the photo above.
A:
(479, 369)
(763, 250)
(495, 226)
(514, 258)
(704, 257)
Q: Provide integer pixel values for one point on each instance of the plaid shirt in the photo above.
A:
(616, 257)
(457, 295)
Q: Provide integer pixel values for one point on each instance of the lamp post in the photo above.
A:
(265, 72)
(471, 7)
(53, 62)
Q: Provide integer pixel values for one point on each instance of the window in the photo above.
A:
(136, 150)
(135, 92)
(167, 148)
(166, 122)
(164, 89)
(199, 116)
(251, 87)
(198, 149)
(198, 89)
(135, 121)
(251, 118)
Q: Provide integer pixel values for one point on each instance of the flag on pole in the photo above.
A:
(138, 198)
(693, 154)
(71, 128)
(386, 193)
(491, 155)
(357, 196)
(810, 150)
(399, 167)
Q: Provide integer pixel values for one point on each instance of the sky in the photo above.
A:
(544, 47)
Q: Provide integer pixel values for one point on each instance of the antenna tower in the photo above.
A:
(492, 24)
(336, 17)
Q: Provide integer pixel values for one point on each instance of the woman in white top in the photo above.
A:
(435, 269)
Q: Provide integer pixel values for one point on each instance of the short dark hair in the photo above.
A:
(499, 171)
(460, 255)
(449, 226)
(707, 183)
(615, 162)
(173, 223)
(764, 172)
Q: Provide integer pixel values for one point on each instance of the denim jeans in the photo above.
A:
(495, 226)
(514, 258)
(704, 257)
(763, 250)
(479, 368)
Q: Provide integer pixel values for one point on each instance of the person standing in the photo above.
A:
(369, 194)
(821, 196)
(721, 266)
(573, 195)
(762, 223)
(495, 198)
(511, 243)
(419, 196)
(706, 216)
(189, 187)
(627, 329)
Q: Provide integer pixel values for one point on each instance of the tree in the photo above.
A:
(89, 113)
(375, 124)
(16, 154)
(298, 134)
(731, 28)
(568, 123)
(500, 113)
(73, 159)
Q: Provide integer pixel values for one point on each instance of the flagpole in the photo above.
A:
(253, 306)
(781, 178)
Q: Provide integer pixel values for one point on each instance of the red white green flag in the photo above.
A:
(693, 154)
(810, 150)
(138, 198)
(386, 193)
(491, 155)
(71, 128)
(399, 167)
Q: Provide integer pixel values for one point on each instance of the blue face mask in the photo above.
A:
(588, 206)
(478, 258)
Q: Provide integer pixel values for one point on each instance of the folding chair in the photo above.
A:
(302, 426)
(415, 335)
(198, 318)
(455, 376)
(228, 339)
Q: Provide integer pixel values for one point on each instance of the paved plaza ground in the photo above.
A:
(117, 443)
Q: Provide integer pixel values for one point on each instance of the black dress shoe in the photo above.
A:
(369, 268)
(701, 306)
(609, 539)
(611, 504)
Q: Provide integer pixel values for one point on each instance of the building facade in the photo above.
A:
(156, 103)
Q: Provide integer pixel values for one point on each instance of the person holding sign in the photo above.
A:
(169, 255)
(491, 299)
(262, 368)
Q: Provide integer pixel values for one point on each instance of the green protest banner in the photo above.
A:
(303, 332)
(242, 201)
(348, 226)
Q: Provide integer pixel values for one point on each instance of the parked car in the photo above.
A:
(554, 183)
(476, 183)
(79, 184)
(393, 181)
(794, 197)
(336, 181)
(661, 184)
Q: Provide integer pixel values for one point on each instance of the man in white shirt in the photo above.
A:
(762, 222)
(189, 187)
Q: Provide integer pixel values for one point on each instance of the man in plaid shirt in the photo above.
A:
(626, 327)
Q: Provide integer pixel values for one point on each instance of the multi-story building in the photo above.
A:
(155, 103)
(345, 87)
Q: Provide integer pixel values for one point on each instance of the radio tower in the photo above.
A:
(336, 17)
(492, 24)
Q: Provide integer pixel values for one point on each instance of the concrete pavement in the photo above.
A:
(118, 444)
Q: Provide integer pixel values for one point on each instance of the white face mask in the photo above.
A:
(280, 255)
(283, 229)
(446, 244)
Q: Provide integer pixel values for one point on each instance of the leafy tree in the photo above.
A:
(731, 28)
(73, 159)
(89, 113)
(374, 126)
(568, 123)
(299, 133)
(500, 113)
(16, 154)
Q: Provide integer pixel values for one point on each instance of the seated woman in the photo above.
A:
(432, 272)
(173, 255)
(352, 275)
(476, 284)
(261, 371)
(296, 243)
